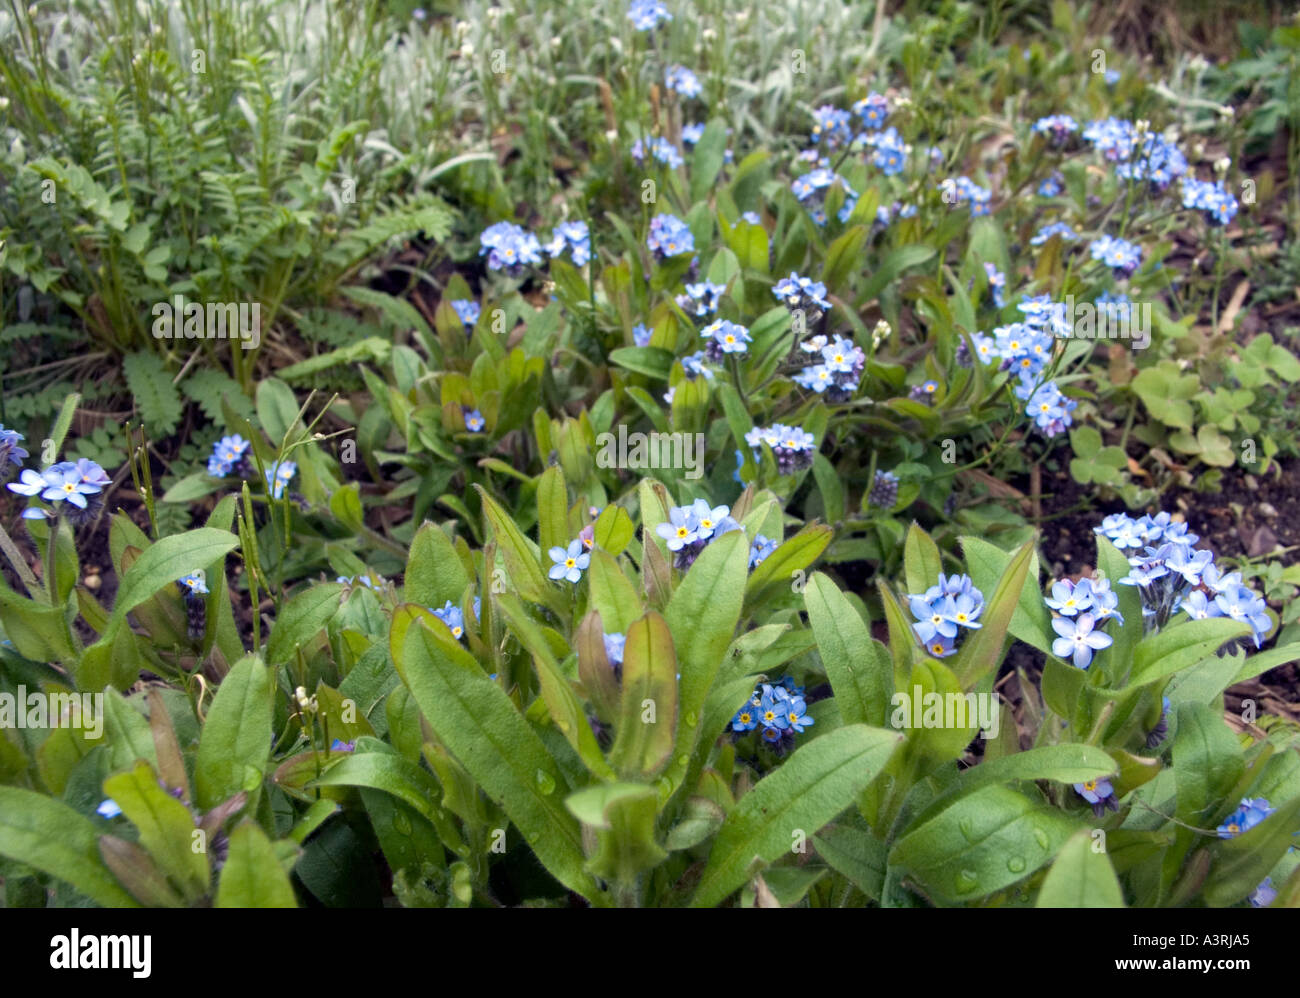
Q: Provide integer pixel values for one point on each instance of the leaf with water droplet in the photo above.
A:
(967, 881)
(545, 782)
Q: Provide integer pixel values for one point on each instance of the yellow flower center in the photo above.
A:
(682, 531)
(569, 562)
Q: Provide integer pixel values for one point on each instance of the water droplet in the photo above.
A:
(1016, 864)
(683, 761)
(1041, 838)
(252, 778)
(563, 726)
(691, 719)
(545, 782)
(533, 838)
(967, 881)
(402, 823)
(967, 828)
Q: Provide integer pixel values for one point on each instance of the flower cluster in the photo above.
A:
(278, 476)
(778, 710)
(669, 236)
(661, 149)
(884, 490)
(945, 612)
(72, 489)
(1172, 575)
(725, 337)
(811, 190)
(832, 126)
(1210, 198)
(701, 299)
(690, 529)
(1138, 154)
(1054, 229)
(10, 451)
(229, 453)
(573, 236)
(1049, 409)
(645, 15)
(509, 247)
(792, 447)
(1082, 608)
(873, 110)
(960, 190)
(1118, 254)
(1057, 127)
(680, 80)
(796, 292)
(890, 154)
(839, 372)
(467, 311)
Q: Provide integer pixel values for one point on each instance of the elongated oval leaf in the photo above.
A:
(253, 876)
(301, 619)
(648, 720)
(51, 837)
(815, 784)
(1080, 878)
(236, 740)
(857, 665)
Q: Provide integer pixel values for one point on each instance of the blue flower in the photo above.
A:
(108, 809)
(1211, 198)
(641, 335)
(701, 299)
(10, 452)
(679, 79)
(645, 15)
(760, 548)
(680, 530)
(692, 134)
(474, 421)
(661, 149)
(997, 284)
(1263, 895)
(707, 519)
(746, 718)
(509, 247)
(1094, 791)
(614, 646)
(467, 310)
(30, 483)
(451, 615)
(1119, 254)
(575, 237)
(669, 236)
(569, 564)
(1055, 229)
(339, 745)
(933, 617)
(1052, 186)
(1068, 599)
(796, 715)
(1058, 127)
(278, 476)
(226, 452)
(751, 217)
(797, 292)
(1246, 817)
(1240, 603)
(193, 584)
(1078, 640)
(773, 707)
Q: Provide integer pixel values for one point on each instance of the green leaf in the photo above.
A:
(434, 572)
(165, 825)
(986, 563)
(253, 876)
(982, 843)
(855, 854)
(843, 257)
(611, 593)
(552, 509)
(277, 409)
(702, 618)
(623, 815)
(858, 666)
(654, 362)
(523, 562)
(49, 836)
(1181, 646)
(707, 158)
(1080, 878)
(648, 720)
(809, 789)
(482, 728)
(922, 562)
(236, 741)
(301, 619)
(129, 735)
(787, 563)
